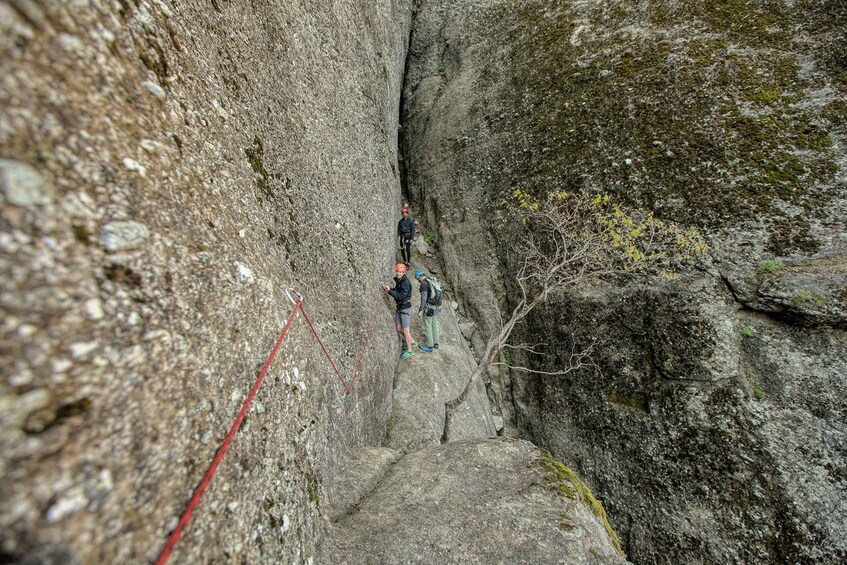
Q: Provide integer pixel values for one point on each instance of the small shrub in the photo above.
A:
(758, 393)
(431, 238)
(805, 296)
(747, 330)
(768, 268)
(441, 68)
(607, 236)
(766, 96)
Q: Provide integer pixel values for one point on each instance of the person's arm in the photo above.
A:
(412, 232)
(424, 295)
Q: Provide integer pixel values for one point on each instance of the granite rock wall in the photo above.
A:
(168, 169)
(713, 429)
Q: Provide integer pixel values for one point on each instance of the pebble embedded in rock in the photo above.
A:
(94, 309)
(149, 145)
(71, 44)
(135, 166)
(244, 272)
(155, 89)
(73, 502)
(23, 185)
(33, 401)
(123, 235)
(81, 349)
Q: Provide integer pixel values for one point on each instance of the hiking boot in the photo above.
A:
(426, 348)
(435, 346)
(406, 355)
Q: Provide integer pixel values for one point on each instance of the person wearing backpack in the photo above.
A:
(402, 295)
(432, 296)
(406, 235)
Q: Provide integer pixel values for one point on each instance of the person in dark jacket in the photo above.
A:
(402, 295)
(405, 236)
(429, 315)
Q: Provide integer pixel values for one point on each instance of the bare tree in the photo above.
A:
(564, 240)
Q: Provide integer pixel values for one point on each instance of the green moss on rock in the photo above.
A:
(565, 482)
(702, 126)
(637, 402)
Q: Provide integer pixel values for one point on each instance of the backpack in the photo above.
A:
(436, 294)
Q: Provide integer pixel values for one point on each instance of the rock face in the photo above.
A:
(718, 445)
(714, 430)
(168, 169)
(474, 501)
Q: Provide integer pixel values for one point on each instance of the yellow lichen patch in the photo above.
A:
(624, 240)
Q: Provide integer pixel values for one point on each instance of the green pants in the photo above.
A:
(432, 329)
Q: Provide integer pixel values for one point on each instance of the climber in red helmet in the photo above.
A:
(406, 235)
(402, 295)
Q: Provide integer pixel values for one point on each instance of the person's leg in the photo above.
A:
(407, 252)
(426, 323)
(405, 320)
(436, 331)
(398, 326)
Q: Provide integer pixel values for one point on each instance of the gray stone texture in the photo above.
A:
(473, 501)
(168, 169)
(362, 469)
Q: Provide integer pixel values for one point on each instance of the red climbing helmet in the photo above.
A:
(400, 268)
(404, 210)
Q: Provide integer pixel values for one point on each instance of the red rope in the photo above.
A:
(210, 472)
(331, 362)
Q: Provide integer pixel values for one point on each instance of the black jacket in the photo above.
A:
(406, 228)
(402, 292)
